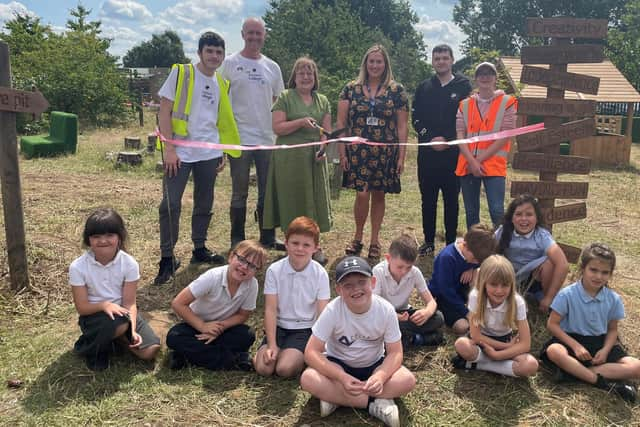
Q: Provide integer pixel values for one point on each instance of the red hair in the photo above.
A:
(305, 226)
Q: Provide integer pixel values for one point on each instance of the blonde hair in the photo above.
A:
(251, 248)
(387, 76)
(495, 269)
(304, 62)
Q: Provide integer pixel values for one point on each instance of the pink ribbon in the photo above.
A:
(351, 140)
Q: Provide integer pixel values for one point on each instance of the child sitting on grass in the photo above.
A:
(104, 281)
(296, 291)
(355, 353)
(495, 311)
(396, 278)
(453, 271)
(584, 323)
(214, 308)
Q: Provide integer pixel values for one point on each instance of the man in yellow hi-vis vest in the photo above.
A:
(194, 106)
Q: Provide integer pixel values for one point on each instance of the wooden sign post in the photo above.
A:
(540, 151)
(12, 101)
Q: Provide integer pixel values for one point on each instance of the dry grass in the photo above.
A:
(37, 328)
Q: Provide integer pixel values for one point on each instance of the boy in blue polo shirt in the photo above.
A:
(584, 324)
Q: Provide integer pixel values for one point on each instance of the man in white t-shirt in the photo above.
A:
(256, 82)
(180, 162)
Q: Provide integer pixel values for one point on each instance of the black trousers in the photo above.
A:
(220, 354)
(430, 186)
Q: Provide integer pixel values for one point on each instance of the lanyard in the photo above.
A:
(372, 97)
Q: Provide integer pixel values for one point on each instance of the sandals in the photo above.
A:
(354, 248)
(375, 251)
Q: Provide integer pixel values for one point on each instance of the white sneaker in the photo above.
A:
(327, 408)
(386, 411)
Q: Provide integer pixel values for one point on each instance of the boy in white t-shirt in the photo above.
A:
(214, 308)
(296, 291)
(357, 328)
(396, 277)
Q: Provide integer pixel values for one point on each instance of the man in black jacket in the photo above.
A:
(434, 119)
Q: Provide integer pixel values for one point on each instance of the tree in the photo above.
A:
(623, 43)
(163, 50)
(80, 24)
(500, 24)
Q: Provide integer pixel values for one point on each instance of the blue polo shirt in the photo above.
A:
(525, 248)
(585, 315)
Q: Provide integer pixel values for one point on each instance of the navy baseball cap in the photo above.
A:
(352, 264)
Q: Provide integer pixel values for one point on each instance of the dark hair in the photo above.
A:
(480, 242)
(507, 220)
(442, 48)
(305, 226)
(103, 221)
(405, 248)
(210, 39)
(598, 251)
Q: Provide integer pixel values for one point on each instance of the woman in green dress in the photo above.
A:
(297, 181)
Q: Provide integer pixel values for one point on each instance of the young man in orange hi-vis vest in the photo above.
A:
(194, 105)
(487, 111)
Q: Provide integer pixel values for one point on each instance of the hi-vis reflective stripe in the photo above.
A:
(500, 153)
(182, 101)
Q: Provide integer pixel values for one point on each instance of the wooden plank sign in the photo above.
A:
(562, 54)
(551, 163)
(556, 107)
(568, 28)
(565, 213)
(571, 252)
(20, 101)
(549, 137)
(560, 80)
(551, 189)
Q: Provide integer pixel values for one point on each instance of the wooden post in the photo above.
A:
(10, 181)
(629, 131)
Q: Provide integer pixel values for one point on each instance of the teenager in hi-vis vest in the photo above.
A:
(194, 105)
(485, 162)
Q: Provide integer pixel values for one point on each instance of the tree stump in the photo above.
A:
(129, 157)
(132, 143)
(151, 143)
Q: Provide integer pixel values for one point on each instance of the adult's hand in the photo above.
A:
(171, 161)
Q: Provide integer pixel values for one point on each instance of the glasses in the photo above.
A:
(245, 262)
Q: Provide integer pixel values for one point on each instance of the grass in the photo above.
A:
(38, 325)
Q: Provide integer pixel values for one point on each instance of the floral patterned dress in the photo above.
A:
(374, 168)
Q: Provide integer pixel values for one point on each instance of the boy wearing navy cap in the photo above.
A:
(362, 366)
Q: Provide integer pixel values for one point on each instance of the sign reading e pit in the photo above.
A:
(20, 101)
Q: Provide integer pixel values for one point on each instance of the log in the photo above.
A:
(129, 157)
(132, 143)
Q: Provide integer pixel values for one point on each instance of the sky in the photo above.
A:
(130, 22)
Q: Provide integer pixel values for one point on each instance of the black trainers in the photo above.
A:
(168, 268)
(426, 249)
(205, 255)
(432, 338)
(276, 245)
(459, 362)
(176, 360)
(319, 257)
(243, 362)
(627, 392)
(558, 375)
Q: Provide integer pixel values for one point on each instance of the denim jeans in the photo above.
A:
(494, 187)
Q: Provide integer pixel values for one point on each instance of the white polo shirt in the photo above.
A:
(398, 294)
(104, 282)
(357, 339)
(298, 292)
(494, 317)
(213, 301)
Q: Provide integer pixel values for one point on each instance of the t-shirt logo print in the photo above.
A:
(345, 341)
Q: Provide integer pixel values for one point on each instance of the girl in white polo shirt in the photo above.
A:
(214, 308)
(104, 281)
(495, 311)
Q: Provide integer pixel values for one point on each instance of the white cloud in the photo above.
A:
(195, 12)
(7, 11)
(435, 31)
(125, 9)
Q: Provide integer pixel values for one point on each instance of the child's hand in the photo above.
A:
(582, 353)
(136, 340)
(352, 385)
(213, 328)
(271, 354)
(206, 337)
(373, 386)
(600, 357)
(467, 276)
(403, 317)
(113, 310)
(419, 317)
(491, 352)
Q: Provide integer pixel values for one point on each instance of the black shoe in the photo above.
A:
(168, 268)
(99, 362)
(559, 376)
(176, 360)
(275, 244)
(432, 338)
(458, 362)
(627, 392)
(426, 249)
(320, 258)
(243, 362)
(205, 255)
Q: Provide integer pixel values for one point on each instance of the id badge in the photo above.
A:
(372, 121)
